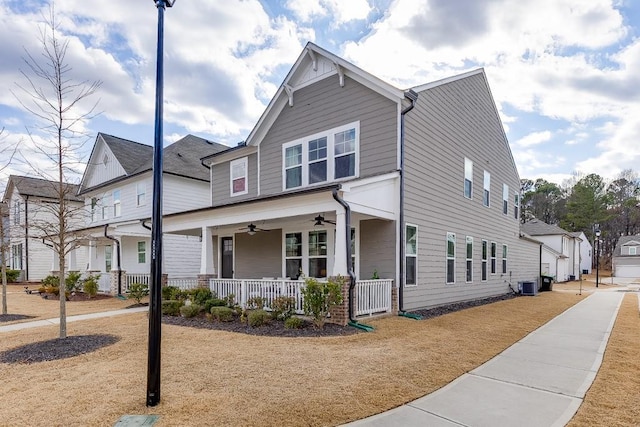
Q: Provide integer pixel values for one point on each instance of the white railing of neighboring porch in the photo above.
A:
(104, 283)
(182, 283)
(143, 279)
(372, 296)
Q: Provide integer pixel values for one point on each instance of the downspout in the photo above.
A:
(540, 268)
(26, 237)
(413, 97)
(352, 276)
(117, 242)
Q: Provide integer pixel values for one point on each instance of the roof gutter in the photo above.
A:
(117, 242)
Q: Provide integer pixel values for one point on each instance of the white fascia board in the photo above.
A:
(446, 80)
(232, 155)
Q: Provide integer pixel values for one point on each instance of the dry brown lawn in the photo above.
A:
(612, 400)
(220, 378)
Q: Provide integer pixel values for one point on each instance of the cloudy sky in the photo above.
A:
(565, 74)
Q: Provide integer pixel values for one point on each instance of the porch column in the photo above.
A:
(206, 253)
(340, 250)
(73, 261)
(92, 255)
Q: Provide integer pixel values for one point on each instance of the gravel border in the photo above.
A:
(450, 308)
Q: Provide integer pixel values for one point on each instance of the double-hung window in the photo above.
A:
(16, 212)
(323, 157)
(94, 212)
(468, 178)
(411, 255)
(16, 252)
(494, 249)
(141, 193)
(117, 207)
(486, 194)
(318, 253)
(485, 254)
(238, 170)
(469, 276)
(504, 259)
(451, 258)
(505, 199)
(108, 258)
(632, 250)
(293, 254)
(106, 205)
(142, 252)
(516, 205)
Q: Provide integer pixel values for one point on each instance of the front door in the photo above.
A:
(227, 257)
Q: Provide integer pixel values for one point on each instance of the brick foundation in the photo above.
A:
(340, 313)
(203, 280)
(113, 287)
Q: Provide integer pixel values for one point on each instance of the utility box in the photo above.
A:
(528, 288)
(547, 283)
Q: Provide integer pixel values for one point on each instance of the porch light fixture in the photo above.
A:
(251, 229)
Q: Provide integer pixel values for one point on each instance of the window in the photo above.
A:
(505, 199)
(16, 212)
(293, 254)
(469, 276)
(485, 254)
(318, 253)
(16, 255)
(116, 203)
(494, 249)
(411, 255)
(504, 259)
(106, 205)
(516, 206)
(141, 193)
(353, 249)
(468, 178)
(325, 156)
(142, 252)
(451, 258)
(632, 250)
(108, 258)
(487, 189)
(318, 160)
(94, 212)
(238, 172)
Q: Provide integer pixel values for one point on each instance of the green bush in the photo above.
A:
(231, 300)
(222, 314)
(293, 323)
(191, 310)
(72, 281)
(170, 292)
(258, 318)
(51, 280)
(90, 285)
(137, 291)
(320, 297)
(12, 275)
(199, 295)
(283, 307)
(254, 303)
(214, 302)
(171, 307)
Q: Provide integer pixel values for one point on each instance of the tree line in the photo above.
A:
(585, 203)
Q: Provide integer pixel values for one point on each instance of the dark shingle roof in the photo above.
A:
(130, 154)
(538, 228)
(622, 241)
(37, 187)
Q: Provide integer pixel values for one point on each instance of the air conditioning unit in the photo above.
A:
(528, 288)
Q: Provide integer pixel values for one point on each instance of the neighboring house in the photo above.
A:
(626, 257)
(117, 190)
(344, 173)
(586, 252)
(32, 203)
(4, 236)
(560, 252)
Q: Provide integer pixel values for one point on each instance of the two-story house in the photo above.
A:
(117, 190)
(32, 204)
(345, 174)
(626, 257)
(561, 250)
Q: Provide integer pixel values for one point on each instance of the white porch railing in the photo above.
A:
(183, 283)
(134, 278)
(373, 296)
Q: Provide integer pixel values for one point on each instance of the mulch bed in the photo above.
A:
(77, 296)
(59, 348)
(13, 317)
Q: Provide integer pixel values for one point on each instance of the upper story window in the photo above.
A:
(486, 195)
(238, 182)
(505, 199)
(468, 178)
(117, 206)
(106, 205)
(323, 157)
(16, 212)
(94, 213)
(141, 193)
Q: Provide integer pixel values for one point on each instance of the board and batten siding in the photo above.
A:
(325, 105)
(452, 121)
(377, 249)
(221, 185)
(103, 172)
(259, 255)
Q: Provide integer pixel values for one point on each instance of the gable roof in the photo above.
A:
(130, 154)
(536, 227)
(38, 187)
(626, 241)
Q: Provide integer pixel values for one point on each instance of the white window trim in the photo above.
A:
(486, 189)
(16, 212)
(468, 240)
(635, 252)
(117, 203)
(505, 199)
(447, 258)
(493, 257)
(468, 175)
(516, 206)
(485, 259)
(139, 186)
(406, 255)
(244, 161)
(105, 206)
(138, 252)
(330, 135)
(505, 257)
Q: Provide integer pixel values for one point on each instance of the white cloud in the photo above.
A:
(534, 138)
(340, 11)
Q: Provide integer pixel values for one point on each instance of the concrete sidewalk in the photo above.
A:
(56, 321)
(539, 381)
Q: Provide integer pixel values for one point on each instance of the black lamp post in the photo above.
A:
(155, 278)
(597, 256)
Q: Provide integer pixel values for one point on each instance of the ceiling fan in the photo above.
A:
(252, 229)
(319, 220)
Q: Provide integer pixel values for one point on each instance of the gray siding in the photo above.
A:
(450, 122)
(377, 249)
(325, 105)
(259, 255)
(220, 185)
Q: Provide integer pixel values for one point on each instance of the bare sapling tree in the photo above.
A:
(7, 153)
(61, 107)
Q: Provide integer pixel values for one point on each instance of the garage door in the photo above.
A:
(632, 271)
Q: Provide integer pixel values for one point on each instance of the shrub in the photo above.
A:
(283, 307)
(90, 285)
(231, 300)
(258, 318)
(191, 310)
(137, 291)
(170, 292)
(200, 295)
(51, 280)
(12, 275)
(72, 281)
(171, 307)
(222, 314)
(293, 323)
(213, 302)
(320, 297)
(255, 303)
(50, 289)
